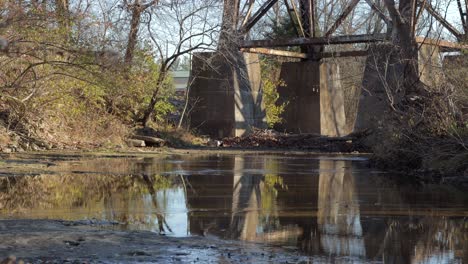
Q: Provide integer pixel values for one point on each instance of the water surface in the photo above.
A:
(333, 208)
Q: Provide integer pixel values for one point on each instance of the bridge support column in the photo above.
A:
(381, 74)
(314, 98)
(227, 96)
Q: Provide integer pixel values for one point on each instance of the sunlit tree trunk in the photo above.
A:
(228, 36)
(404, 40)
(133, 34)
(154, 98)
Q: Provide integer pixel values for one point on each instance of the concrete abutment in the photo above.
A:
(226, 96)
(314, 98)
(383, 80)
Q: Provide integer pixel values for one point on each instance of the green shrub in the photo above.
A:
(271, 96)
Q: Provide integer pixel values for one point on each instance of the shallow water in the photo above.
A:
(333, 208)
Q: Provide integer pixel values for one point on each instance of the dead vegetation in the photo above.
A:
(426, 130)
(311, 142)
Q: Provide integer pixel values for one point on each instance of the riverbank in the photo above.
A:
(55, 241)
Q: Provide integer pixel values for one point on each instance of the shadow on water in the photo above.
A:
(330, 208)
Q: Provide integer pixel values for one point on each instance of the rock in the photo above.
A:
(42, 144)
(7, 150)
(150, 141)
(135, 143)
(35, 147)
(24, 145)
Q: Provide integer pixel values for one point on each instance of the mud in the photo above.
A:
(48, 241)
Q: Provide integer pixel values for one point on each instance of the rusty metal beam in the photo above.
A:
(414, 20)
(307, 10)
(292, 7)
(249, 12)
(463, 15)
(274, 52)
(349, 53)
(418, 16)
(466, 18)
(259, 14)
(299, 55)
(441, 43)
(342, 17)
(378, 11)
(442, 20)
(349, 39)
(312, 9)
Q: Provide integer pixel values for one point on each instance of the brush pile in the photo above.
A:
(276, 140)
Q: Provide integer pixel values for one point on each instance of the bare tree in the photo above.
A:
(137, 7)
(182, 27)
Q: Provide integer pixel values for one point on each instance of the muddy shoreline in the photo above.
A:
(56, 241)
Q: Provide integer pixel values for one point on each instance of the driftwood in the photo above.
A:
(150, 141)
(135, 143)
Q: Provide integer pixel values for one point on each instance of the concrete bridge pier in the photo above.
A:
(381, 75)
(227, 95)
(314, 97)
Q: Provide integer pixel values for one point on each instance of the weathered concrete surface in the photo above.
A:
(373, 102)
(332, 112)
(301, 92)
(455, 67)
(382, 82)
(249, 110)
(227, 96)
(430, 65)
(314, 98)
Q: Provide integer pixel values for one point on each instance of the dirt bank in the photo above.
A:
(48, 241)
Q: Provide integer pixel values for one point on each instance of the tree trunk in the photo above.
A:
(133, 34)
(228, 35)
(154, 98)
(404, 40)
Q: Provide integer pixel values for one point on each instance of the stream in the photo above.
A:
(323, 208)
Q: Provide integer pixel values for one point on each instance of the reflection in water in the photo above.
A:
(338, 211)
(334, 210)
(246, 199)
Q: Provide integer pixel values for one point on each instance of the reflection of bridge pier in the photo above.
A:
(323, 207)
(212, 193)
(338, 211)
(246, 201)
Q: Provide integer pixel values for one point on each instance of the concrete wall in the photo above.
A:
(332, 110)
(314, 98)
(373, 100)
(455, 67)
(301, 92)
(381, 74)
(227, 97)
(430, 65)
(249, 110)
